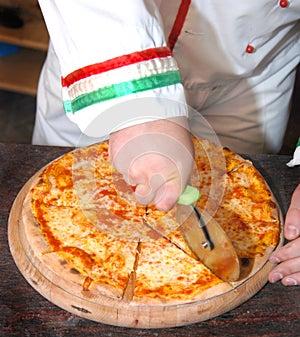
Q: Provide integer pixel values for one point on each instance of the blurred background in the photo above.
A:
(23, 45)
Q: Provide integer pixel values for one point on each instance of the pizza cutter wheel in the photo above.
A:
(206, 238)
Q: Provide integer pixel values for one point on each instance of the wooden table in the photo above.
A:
(273, 311)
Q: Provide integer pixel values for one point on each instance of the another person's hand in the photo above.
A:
(288, 256)
(156, 157)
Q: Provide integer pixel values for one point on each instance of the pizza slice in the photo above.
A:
(166, 274)
(98, 257)
(248, 212)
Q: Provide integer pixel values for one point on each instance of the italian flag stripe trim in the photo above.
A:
(120, 75)
(115, 63)
(122, 89)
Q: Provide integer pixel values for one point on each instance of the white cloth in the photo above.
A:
(244, 96)
(296, 156)
(52, 126)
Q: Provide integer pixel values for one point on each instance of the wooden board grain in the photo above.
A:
(53, 279)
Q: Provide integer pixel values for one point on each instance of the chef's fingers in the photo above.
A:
(167, 195)
(164, 197)
(292, 220)
(289, 251)
(288, 272)
(288, 260)
(291, 280)
(145, 192)
(161, 189)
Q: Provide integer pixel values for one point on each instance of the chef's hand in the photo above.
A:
(288, 256)
(156, 157)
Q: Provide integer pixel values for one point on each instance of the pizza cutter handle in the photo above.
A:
(189, 196)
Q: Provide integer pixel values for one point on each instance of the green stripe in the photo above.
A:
(122, 89)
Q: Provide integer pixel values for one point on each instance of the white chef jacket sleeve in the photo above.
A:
(115, 65)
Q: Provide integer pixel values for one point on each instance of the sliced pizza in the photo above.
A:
(89, 217)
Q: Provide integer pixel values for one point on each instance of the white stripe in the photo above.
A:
(120, 75)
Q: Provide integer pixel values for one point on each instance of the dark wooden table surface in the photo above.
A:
(273, 311)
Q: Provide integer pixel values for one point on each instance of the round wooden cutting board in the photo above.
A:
(51, 276)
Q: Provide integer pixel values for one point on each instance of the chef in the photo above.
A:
(137, 70)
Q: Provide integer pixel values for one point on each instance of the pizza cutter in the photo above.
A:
(206, 238)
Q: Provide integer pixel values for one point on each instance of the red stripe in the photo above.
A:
(115, 63)
(178, 23)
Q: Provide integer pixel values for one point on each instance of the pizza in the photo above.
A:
(87, 217)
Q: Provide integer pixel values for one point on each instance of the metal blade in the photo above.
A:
(209, 242)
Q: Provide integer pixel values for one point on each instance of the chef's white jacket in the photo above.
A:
(111, 64)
